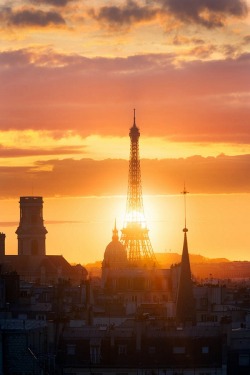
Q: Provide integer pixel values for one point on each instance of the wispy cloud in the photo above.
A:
(246, 39)
(197, 101)
(8, 223)
(7, 152)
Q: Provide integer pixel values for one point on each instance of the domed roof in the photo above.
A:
(115, 255)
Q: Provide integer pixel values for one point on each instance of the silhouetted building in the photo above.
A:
(2, 246)
(31, 233)
(11, 284)
(115, 255)
(23, 347)
(239, 352)
(145, 347)
(32, 263)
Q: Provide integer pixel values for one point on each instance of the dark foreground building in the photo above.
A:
(142, 346)
(20, 340)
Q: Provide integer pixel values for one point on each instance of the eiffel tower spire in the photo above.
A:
(135, 233)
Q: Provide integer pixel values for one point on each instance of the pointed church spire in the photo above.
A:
(115, 236)
(185, 305)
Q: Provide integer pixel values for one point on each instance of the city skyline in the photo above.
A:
(71, 74)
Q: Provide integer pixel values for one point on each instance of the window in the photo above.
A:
(95, 355)
(179, 350)
(71, 349)
(40, 317)
(122, 349)
(209, 318)
(205, 349)
(243, 359)
(204, 302)
(151, 350)
(23, 293)
(134, 298)
(34, 247)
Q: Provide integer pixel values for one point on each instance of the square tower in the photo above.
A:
(31, 233)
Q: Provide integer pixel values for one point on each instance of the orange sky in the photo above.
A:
(71, 74)
(80, 228)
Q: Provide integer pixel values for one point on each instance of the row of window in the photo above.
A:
(95, 351)
(146, 372)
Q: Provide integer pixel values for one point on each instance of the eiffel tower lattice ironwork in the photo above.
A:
(135, 232)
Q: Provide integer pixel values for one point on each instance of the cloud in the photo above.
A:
(55, 3)
(184, 40)
(66, 178)
(8, 223)
(203, 51)
(231, 50)
(7, 152)
(208, 13)
(64, 222)
(30, 17)
(199, 101)
(222, 174)
(87, 177)
(246, 40)
(125, 15)
(50, 222)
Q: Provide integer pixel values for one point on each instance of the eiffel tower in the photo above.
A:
(135, 233)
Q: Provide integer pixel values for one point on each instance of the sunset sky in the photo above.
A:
(71, 72)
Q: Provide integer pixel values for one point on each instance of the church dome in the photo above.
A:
(115, 255)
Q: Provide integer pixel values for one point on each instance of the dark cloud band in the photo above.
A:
(86, 177)
(56, 3)
(208, 13)
(30, 17)
(126, 15)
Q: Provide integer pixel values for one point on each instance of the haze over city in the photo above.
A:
(71, 74)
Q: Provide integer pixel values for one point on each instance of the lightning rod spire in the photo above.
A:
(185, 192)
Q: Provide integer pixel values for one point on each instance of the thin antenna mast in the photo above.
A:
(185, 192)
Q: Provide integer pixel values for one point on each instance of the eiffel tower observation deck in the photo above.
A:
(135, 236)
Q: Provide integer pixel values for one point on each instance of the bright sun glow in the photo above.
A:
(135, 217)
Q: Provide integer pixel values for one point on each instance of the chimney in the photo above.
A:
(2, 245)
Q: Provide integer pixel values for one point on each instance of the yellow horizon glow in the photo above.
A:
(72, 224)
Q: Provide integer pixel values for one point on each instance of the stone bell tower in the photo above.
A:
(31, 232)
